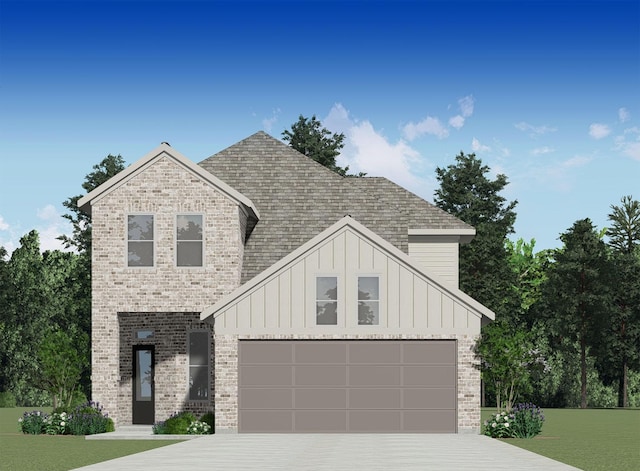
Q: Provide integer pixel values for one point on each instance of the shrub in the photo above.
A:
(88, 419)
(527, 421)
(32, 422)
(198, 428)
(56, 423)
(178, 424)
(7, 399)
(208, 419)
(499, 425)
(159, 428)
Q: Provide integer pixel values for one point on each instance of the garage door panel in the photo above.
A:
(320, 421)
(374, 375)
(375, 420)
(375, 353)
(371, 398)
(320, 375)
(429, 398)
(266, 398)
(432, 376)
(265, 353)
(320, 398)
(320, 352)
(266, 421)
(433, 352)
(431, 421)
(266, 375)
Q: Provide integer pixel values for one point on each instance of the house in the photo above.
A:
(282, 296)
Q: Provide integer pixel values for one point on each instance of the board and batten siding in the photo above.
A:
(410, 300)
(437, 255)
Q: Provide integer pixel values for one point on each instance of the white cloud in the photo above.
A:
(52, 227)
(477, 147)
(456, 121)
(542, 150)
(268, 123)
(624, 115)
(368, 150)
(3, 225)
(629, 148)
(534, 131)
(599, 131)
(429, 125)
(466, 105)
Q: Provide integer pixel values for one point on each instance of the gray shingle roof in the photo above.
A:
(298, 198)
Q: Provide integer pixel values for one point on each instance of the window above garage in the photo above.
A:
(368, 300)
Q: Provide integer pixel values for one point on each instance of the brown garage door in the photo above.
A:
(347, 386)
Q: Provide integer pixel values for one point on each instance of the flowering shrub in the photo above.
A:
(198, 428)
(528, 419)
(88, 419)
(32, 422)
(56, 423)
(159, 428)
(523, 421)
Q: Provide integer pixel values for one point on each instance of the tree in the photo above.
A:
(308, 137)
(81, 221)
(467, 193)
(576, 293)
(63, 357)
(620, 350)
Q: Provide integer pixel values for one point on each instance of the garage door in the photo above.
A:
(347, 386)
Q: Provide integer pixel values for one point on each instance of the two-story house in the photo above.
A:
(282, 296)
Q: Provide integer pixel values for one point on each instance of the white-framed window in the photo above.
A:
(140, 240)
(326, 300)
(368, 300)
(189, 240)
(199, 359)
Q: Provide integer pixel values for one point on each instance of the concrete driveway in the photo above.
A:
(319, 452)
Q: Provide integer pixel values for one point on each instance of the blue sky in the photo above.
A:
(546, 92)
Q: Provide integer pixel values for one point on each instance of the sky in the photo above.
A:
(544, 92)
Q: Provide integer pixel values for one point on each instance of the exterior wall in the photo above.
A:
(437, 255)
(409, 301)
(163, 188)
(226, 375)
(171, 361)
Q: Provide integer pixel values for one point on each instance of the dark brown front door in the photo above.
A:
(347, 386)
(143, 385)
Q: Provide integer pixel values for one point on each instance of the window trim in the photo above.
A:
(175, 241)
(339, 299)
(127, 240)
(379, 300)
(189, 365)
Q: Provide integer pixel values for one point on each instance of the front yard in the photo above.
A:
(590, 439)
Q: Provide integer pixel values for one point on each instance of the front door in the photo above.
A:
(143, 385)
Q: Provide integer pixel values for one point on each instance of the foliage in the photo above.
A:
(209, 418)
(63, 358)
(467, 193)
(56, 423)
(507, 361)
(527, 420)
(89, 419)
(7, 399)
(177, 424)
(32, 422)
(624, 233)
(498, 425)
(198, 428)
(576, 293)
(308, 137)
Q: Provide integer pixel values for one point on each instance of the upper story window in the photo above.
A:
(140, 240)
(327, 300)
(368, 300)
(189, 241)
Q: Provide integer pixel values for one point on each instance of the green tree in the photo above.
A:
(621, 348)
(310, 138)
(467, 193)
(63, 357)
(576, 293)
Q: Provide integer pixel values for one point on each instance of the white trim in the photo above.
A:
(362, 231)
(202, 241)
(163, 150)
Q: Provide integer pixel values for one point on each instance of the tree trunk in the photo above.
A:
(623, 400)
(583, 373)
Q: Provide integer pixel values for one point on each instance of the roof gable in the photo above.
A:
(162, 151)
(226, 304)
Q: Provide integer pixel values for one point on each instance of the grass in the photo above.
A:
(58, 452)
(589, 439)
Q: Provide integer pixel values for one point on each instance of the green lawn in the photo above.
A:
(20, 452)
(590, 439)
